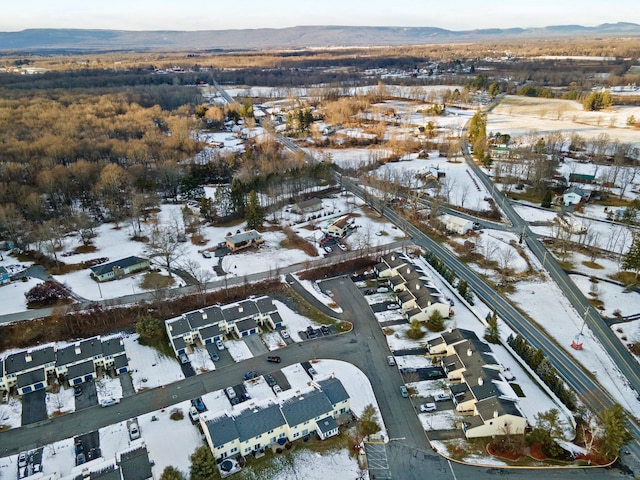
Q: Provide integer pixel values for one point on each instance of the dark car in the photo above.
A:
(77, 391)
(199, 404)
(270, 380)
(274, 359)
(214, 356)
(250, 374)
(325, 330)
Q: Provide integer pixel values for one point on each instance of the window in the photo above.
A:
(234, 449)
(296, 435)
(270, 431)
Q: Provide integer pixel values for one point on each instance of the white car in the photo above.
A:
(193, 413)
(109, 401)
(342, 247)
(277, 389)
(134, 430)
(219, 344)
(382, 290)
(393, 306)
(284, 334)
(231, 393)
(428, 407)
(442, 397)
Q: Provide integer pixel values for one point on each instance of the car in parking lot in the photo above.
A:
(193, 414)
(311, 332)
(284, 333)
(328, 249)
(382, 290)
(404, 392)
(442, 397)
(199, 404)
(342, 247)
(393, 306)
(231, 393)
(325, 330)
(274, 359)
(428, 407)
(81, 458)
(270, 380)
(134, 430)
(250, 374)
(277, 389)
(184, 358)
(214, 356)
(219, 344)
(391, 360)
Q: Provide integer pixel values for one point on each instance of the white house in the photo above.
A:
(458, 225)
(573, 196)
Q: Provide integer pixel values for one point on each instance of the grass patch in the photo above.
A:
(85, 249)
(625, 277)
(518, 389)
(198, 239)
(154, 280)
(306, 310)
(592, 265)
(565, 265)
(294, 240)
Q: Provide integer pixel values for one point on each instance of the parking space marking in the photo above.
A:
(377, 457)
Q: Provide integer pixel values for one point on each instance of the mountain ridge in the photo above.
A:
(309, 36)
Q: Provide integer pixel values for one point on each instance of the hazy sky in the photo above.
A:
(233, 14)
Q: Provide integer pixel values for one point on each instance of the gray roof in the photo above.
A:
(203, 318)
(122, 263)
(178, 326)
(246, 325)
(308, 406)
(576, 190)
(211, 331)
(457, 335)
(222, 430)
(81, 369)
(135, 464)
(312, 202)
(243, 237)
(251, 423)
(112, 346)
(394, 259)
(120, 361)
(78, 351)
(178, 342)
(276, 318)
(244, 309)
(3, 271)
(109, 473)
(487, 408)
(1, 368)
(266, 305)
(17, 362)
(334, 390)
(30, 378)
(327, 424)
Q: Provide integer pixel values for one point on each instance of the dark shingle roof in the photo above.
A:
(179, 326)
(178, 342)
(135, 464)
(17, 362)
(266, 305)
(243, 237)
(245, 325)
(222, 430)
(112, 346)
(86, 349)
(244, 309)
(120, 361)
(30, 378)
(394, 259)
(81, 369)
(487, 408)
(310, 405)
(109, 473)
(457, 335)
(251, 423)
(210, 332)
(122, 263)
(334, 390)
(327, 424)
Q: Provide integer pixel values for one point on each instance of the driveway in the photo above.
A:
(88, 397)
(256, 345)
(33, 407)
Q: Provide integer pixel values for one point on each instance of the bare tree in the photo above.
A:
(166, 246)
(201, 276)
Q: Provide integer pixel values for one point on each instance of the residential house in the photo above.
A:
(4, 275)
(457, 225)
(243, 240)
(306, 207)
(573, 196)
(478, 387)
(315, 410)
(340, 227)
(582, 178)
(119, 268)
(29, 370)
(135, 464)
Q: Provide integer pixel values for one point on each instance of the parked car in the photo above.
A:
(81, 458)
(193, 414)
(342, 247)
(312, 371)
(199, 404)
(79, 446)
(206, 254)
(311, 332)
(393, 306)
(184, 358)
(109, 401)
(428, 407)
(404, 392)
(325, 330)
(328, 249)
(219, 344)
(274, 359)
(277, 389)
(134, 430)
(250, 374)
(284, 333)
(382, 290)
(231, 393)
(442, 397)
(22, 460)
(270, 380)
(214, 356)
(77, 391)
(391, 360)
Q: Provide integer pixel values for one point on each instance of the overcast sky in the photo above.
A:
(228, 14)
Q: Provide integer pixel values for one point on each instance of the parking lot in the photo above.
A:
(33, 407)
(88, 397)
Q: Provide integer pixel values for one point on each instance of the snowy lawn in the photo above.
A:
(439, 420)
(61, 402)
(238, 350)
(148, 367)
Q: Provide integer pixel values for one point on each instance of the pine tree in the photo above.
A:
(171, 473)
(631, 260)
(203, 465)
(616, 433)
(254, 213)
(546, 200)
(368, 424)
(435, 322)
(492, 332)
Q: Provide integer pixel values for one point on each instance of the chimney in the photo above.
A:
(204, 315)
(78, 350)
(408, 270)
(393, 258)
(469, 352)
(417, 285)
(480, 381)
(28, 358)
(240, 309)
(495, 414)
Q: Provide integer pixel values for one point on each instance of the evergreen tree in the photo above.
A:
(548, 428)
(254, 213)
(492, 332)
(615, 431)
(171, 473)
(203, 465)
(150, 329)
(631, 260)
(435, 322)
(546, 200)
(238, 191)
(368, 424)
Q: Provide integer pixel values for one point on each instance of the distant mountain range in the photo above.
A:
(70, 40)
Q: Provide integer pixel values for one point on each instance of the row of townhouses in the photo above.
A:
(414, 289)
(316, 410)
(479, 389)
(208, 325)
(34, 369)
